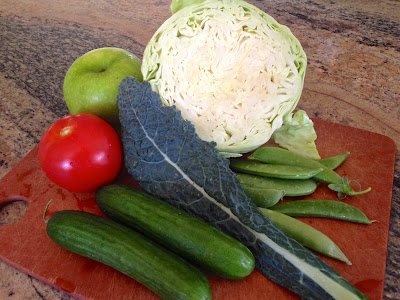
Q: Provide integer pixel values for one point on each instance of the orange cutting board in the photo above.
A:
(25, 244)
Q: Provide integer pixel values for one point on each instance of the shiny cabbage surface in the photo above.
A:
(231, 70)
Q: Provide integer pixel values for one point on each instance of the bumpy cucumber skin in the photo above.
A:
(129, 252)
(195, 240)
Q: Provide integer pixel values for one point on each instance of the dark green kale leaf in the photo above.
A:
(168, 160)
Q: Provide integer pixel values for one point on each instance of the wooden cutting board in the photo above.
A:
(25, 244)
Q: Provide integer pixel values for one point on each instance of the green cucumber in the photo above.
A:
(191, 238)
(129, 252)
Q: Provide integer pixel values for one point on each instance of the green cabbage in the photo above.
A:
(230, 68)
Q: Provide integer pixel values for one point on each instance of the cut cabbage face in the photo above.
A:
(231, 70)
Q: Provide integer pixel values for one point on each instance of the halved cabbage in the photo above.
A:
(231, 70)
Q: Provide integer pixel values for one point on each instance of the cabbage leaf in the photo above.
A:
(179, 4)
(298, 135)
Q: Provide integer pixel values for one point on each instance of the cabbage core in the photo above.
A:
(230, 69)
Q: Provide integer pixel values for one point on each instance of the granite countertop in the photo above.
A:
(353, 78)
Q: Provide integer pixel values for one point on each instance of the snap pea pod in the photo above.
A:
(291, 187)
(322, 208)
(274, 171)
(334, 161)
(264, 197)
(275, 155)
(306, 235)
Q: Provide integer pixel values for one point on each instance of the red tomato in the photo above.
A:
(81, 153)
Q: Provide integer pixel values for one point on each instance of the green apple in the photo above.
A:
(91, 83)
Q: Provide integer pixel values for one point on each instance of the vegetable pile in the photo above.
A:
(168, 160)
(220, 78)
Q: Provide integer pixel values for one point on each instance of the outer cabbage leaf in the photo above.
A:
(298, 135)
(179, 4)
(230, 68)
(167, 159)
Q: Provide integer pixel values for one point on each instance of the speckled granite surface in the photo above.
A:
(353, 78)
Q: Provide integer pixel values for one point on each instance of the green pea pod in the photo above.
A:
(264, 197)
(322, 208)
(291, 187)
(334, 161)
(306, 235)
(272, 170)
(275, 155)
